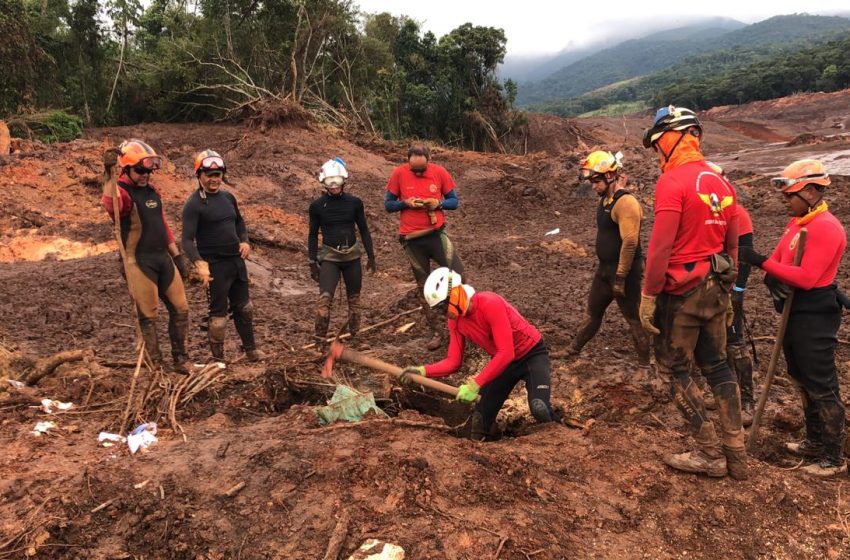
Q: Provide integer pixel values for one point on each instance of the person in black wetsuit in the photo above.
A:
(216, 239)
(335, 213)
(153, 259)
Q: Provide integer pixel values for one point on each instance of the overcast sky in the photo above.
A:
(547, 26)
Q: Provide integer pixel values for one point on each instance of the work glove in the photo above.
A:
(414, 202)
(315, 269)
(779, 291)
(647, 314)
(730, 313)
(620, 287)
(371, 266)
(431, 204)
(183, 266)
(202, 272)
(408, 371)
(468, 392)
(749, 255)
(244, 249)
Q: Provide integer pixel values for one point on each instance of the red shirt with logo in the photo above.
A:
(825, 244)
(433, 183)
(695, 213)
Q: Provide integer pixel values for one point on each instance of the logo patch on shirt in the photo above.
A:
(794, 240)
(151, 203)
(433, 188)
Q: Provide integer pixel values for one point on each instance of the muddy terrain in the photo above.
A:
(242, 469)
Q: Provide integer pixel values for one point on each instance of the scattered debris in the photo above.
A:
(142, 437)
(42, 428)
(348, 405)
(50, 406)
(107, 439)
(555, 231)
(373, 549)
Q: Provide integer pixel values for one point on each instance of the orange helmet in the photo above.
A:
(599, 163)
(209, 160)
(796, 176)
(135, 153)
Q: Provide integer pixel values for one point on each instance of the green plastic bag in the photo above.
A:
(349, 405)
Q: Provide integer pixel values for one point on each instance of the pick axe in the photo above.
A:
(340, 352)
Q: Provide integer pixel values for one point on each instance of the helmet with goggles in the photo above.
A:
(444, 290)
(670, 118)
(209, 160)
(599, 162)
(139, 156)
(333, 173)
(799, 174)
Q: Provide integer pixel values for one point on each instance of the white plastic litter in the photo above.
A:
(142, 437)
(107, 439)
(50, 406)
(16, 384)
(373, 549)
(42, 427)
(555, 231)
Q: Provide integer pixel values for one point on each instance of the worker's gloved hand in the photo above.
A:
(183, 266)
(779, 291)
(730, 313)
(244, 250)
(431, 203)
(468, 392)
(647, 314)
(202, 272)
(110, 159)
(749, 255)
(315, 269)
(371, 266)
(620, 287)
(409, 371)
(414, 202)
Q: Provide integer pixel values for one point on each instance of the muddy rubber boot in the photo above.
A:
(707, 395)
(178, 329)
(148, 328)
(732, 432)
(354, 314)
(477, 431)
(243, 320)
(826, 468)
(707, 459)
(805, 448)
(323, 316)
(540, 410)
(216, 332)
(747, 413)
(641, 341)
(740, 362)
(832, 418)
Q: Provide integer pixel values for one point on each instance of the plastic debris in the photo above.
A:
(50, 406)
(107, 439)
(142, 437)
(16, 384)
(373, 549)
(555, 231)
(42, 427)
(349, 405)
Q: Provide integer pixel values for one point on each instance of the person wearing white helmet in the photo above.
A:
(517, 350)
(335, 214)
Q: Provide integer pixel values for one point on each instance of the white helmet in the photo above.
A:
(439, 284)
(333, 168)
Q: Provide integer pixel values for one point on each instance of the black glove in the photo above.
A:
(779, 291)
(371, 266)
(619, 287)
(843, 299)
(183, 265)
(314, 271)
(750, 256)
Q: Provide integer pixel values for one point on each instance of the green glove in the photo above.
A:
(410, 370)
(467, 392)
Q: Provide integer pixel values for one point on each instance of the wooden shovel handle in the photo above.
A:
(356, 357)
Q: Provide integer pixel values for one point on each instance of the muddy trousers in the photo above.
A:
(693, 329)
(330, 272)
(533, 368)
(152, 277)
(437, 247)
(736, 350)
(809, 348)
(228, 293)
(600, 297)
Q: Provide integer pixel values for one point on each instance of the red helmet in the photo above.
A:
(135, 153)
(209, 160)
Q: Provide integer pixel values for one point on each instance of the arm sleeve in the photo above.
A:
(125, 204)
(660, 246)
(392, 203)
(360, 218)
(450, 200)
(818, 254)
(168, 231)
(313, 234)
(190, 230)
(454, 355)
(626, 214)
(745, 240)
(241, 228)
(500, 327)
(731, 243)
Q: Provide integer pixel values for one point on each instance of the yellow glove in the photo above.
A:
(647, 314)
(431, 203)
(414, 202)
(202, 271)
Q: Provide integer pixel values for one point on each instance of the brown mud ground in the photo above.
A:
(597, 490)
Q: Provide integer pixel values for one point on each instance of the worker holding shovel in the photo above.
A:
(517, 350)
(815, 316)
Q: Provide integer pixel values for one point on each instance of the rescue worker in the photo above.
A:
(336, 213)
(154, 267)
(620, 267)
(216, 239)
(690, 268)
(517, 350)
(811, 335)
(421, 191)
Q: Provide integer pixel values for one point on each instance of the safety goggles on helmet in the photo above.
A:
(332, 182)
(148, 165)
(787, 182)
(212, 162)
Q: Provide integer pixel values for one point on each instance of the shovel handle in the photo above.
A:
(353, 356)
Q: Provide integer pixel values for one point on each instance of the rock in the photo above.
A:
(373, 549)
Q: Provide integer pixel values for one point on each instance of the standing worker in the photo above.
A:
(812, 332)
(620, 267)
(154, 266)
(421, 191)
(336, 213)
(216, 239)
(517, 350)
(690, 268)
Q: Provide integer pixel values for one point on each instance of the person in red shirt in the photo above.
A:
(517, 350)
(690, 268)
(421, 191)
(154, 266)
(812, 332)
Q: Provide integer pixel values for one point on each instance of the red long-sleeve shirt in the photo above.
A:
(493, 324)
(825, 244)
